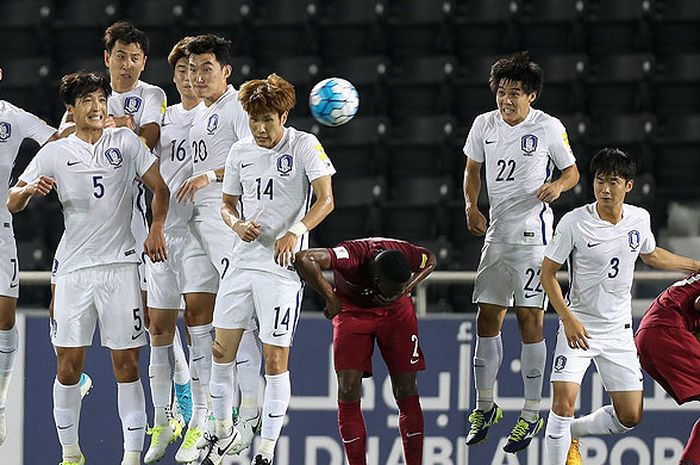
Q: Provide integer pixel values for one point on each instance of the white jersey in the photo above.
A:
(93, 182)
(175, 156)
(601, 259)
(213, 132)
(15, 126)
(274, 187)
(519, 159)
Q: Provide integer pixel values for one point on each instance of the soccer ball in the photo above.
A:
(333, 101)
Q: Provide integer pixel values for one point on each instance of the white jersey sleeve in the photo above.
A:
(648, 239)
(40, 165)
(239, 120)
(316, 162)
(141, 156)
(34, 127)
(154, 105)
(474, 146)
(559, 249)
(558, 144)
(232, 172)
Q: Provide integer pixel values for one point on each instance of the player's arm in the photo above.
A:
(248, 231)
(576, 334)
(550, 191)
(155, 242)
(662, 259)
(19, 196)
(310, 265)
(186, 192)
(321, 208)
(418, 276)
(150, 134)
(476, 221)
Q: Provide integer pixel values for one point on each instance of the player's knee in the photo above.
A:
(631, 418)
(405, 389)
(349, 391)
(218, 351)
(564, 407)
(275, 364)
(68, 371)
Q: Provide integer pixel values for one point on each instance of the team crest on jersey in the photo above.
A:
(212, 124)
(5, 131)
(559, 363)
(633, 239)
(284, 164)
(528, 144)
(114, 157)
(132, 104)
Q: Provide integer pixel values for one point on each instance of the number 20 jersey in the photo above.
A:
(519, 159)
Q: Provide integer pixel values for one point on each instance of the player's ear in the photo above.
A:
(629, 185)
(228, 69)
(283, 118)
(531, 97)
(145, 60)
(106, 58)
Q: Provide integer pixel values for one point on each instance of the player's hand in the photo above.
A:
(333, 307)
(110, 123)
(476, 222)
(124, 122)
(40, 187)
(576, 335)
(154, 246)
(248, 231)
(185, 193)
(284, 249)
(549, 192)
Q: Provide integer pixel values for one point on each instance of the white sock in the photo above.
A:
(132, 412)
(278, 391)
(557, 439)
(66, 414)
(236, 394)
(601, 422)
(201, 352)
(248, 362)
(131, 458)
(199, 399)
(160, 375)
(533, 358)
(488, 356)
(221, 387)
(9, 341)
(181, 375)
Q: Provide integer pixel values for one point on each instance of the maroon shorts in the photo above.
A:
(395, 329)
(672, 357)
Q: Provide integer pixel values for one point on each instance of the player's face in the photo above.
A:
(90, 110)
(208, 77)
(267, 128)
(182, 80)
(0, 74)
(513, 102)
(125, 63)
(610, 189)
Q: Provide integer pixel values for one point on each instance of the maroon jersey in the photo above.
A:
(350, 263)
(676, 306)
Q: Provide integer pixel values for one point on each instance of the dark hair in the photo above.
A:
(392, 266)
(126, 33)
(210, 43)
(76, 85)
(179, 51)
(273, 94)
(613, 161)
(517, 67)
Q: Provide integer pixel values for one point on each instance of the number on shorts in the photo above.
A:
(285, 319)
(531, 274)
(615, 263)
(225, 263)
(414, 339)
(14, 269)
(138, 321)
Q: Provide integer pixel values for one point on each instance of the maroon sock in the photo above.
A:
(411, 427)
(691, 454)
(353, 433)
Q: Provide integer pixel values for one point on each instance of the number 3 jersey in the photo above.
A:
(274, 189)
(94, 185)
(601, 258)
(519, 159)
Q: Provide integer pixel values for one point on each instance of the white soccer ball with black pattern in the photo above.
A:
(333, 101)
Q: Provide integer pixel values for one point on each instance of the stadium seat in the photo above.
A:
(486, 26)
(352, 28)
(631, 133)
(675, 86)
(26, 22)
(472, 95)
(95, 63)
(621, 26)
(284, 28)
(79, 28)
(368, 75)
(420, 86)
(676, 27)
(683, 219)
(553, 26)
(620, 84)
(564, 89)
(577, 127)
(422, 146)
(358, 148)
(421, 191)
(302, 71)
(359, 192)
(417, 27)
(244, 68)
(228, 18)
(643, 194)
(678, 164)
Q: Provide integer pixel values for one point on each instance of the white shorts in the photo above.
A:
(9, 267)
(509, 275)
(104, 294)
(614, 355)
(274, 300)
(186, 270)
(216, 239)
